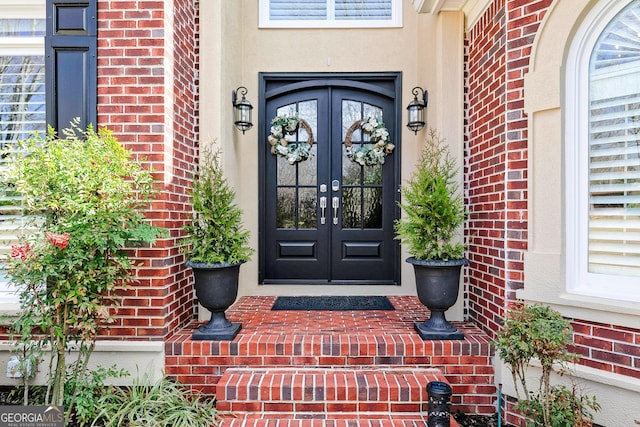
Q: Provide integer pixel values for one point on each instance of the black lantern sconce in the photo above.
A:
(415, 109)
(241, 110)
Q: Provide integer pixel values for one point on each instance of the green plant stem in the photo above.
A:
(79, 372)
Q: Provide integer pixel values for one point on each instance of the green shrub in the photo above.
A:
(538, 332)
(87, 199)
(433, 206)
(215, 234)
(163, 403)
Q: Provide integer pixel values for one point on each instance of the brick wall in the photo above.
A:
(147, 94)
(498, 53)
(485, 167)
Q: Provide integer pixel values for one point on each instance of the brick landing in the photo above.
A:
(345, 340)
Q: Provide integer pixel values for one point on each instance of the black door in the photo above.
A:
(328, 219)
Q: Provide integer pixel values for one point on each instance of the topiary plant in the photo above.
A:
(433, 206)
(215, 234)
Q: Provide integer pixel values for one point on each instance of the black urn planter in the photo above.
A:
(437, 284)
(216, 288)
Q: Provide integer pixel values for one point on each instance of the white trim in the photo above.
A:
(473, 9)
(144, 360)
(579, 280)
(12, 9)
(330, 22)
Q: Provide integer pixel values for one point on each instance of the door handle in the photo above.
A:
(335, 203)
(323, 207)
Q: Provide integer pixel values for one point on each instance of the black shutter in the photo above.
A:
(71, 62)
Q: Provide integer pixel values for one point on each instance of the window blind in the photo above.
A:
(298, 10)
(363, 9)
(22, 111)
(614, 185)
(330, 9)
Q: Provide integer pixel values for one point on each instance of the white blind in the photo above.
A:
(295, 10)
(614, 184)
(22, 110)
(614, 148)
(361, 9)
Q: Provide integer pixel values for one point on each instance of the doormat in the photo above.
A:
(336, 303)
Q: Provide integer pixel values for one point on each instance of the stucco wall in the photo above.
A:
(427, 49)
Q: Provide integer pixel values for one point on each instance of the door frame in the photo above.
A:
(276, 84)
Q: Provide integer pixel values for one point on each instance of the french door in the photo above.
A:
(328, 219)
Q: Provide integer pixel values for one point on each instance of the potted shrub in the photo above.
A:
(434, 211)
(216, 246)
(538, 332)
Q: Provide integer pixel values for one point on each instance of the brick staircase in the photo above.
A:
(355, 396)
(332, 368)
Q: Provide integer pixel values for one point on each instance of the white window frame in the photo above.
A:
(330, 22)
(18, 9)
(578, 279)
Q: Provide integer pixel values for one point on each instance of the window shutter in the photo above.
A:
(71, 62)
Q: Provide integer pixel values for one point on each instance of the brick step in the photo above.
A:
(410, 421)
(358, 340)
(319, 390)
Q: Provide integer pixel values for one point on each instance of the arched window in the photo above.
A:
(602, 153)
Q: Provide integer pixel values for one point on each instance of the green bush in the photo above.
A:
(87, 198)
(538, 332)
(433, 206)
(215, 234)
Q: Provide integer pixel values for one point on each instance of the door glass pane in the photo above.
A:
(307, 208)
(297, 183)
(351, 171)
(286, 208)
(286, 172)
(373, 174)
(351, 111)
(308, 170)
(361, 203)
(372, 207)
(351, 207)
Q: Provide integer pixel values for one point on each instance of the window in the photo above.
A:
(330, 13)
(603, 154)
(22, 103)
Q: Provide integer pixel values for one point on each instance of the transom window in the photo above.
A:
(330, 13)
(604, 156)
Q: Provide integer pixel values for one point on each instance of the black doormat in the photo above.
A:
(337, 303)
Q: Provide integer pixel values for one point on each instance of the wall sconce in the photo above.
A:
(241, 110)
(415, 109)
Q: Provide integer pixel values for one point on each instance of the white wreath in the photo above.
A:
(378, 135)
(284, 125)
